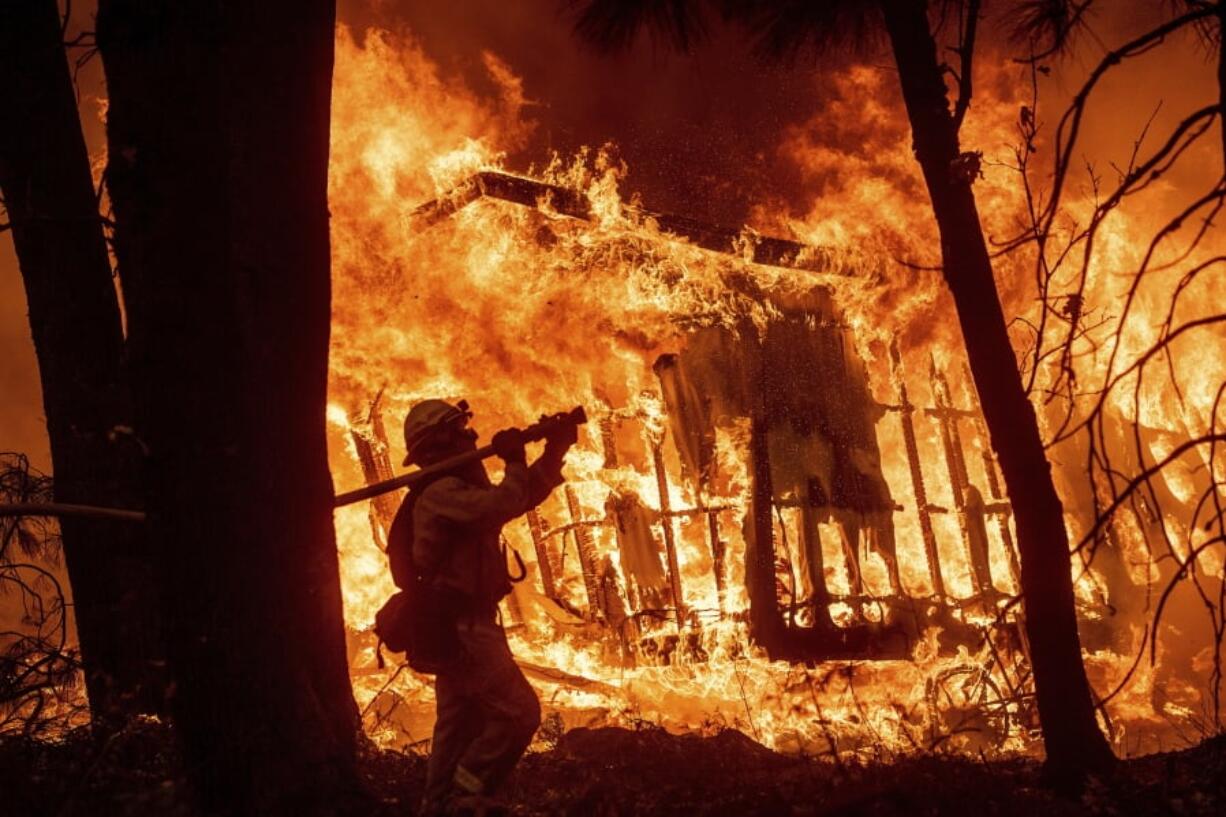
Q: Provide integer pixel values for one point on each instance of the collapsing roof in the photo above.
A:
(812, 458)
(743, 243)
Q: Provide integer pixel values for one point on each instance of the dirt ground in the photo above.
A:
(607, 772)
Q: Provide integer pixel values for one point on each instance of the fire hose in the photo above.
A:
(537, 431)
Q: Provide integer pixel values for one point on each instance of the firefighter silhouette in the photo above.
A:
(487, 713)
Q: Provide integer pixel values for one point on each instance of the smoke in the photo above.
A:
(698, 131)
(710, 133)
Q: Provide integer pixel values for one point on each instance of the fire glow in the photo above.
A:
(892, 541)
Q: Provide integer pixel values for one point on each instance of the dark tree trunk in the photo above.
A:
(1221, 78)
(74, 318)
(218, 130)
(1066, 710)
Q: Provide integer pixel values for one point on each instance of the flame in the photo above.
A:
(524, 309)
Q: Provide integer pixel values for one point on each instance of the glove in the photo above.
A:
(562, 436)
(509, 446)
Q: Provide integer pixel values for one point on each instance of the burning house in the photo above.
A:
(747, 482)
(798, 393)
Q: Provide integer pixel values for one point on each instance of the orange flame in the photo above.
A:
(523, 310)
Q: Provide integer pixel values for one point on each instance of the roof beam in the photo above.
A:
(743, 244)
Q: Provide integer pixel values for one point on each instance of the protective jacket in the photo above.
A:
(456, 527)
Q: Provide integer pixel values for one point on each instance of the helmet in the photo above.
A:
(427, 417)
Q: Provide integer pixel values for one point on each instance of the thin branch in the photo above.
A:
(966, 53)
(65, 509)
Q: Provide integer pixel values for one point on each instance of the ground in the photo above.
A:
(608, 772)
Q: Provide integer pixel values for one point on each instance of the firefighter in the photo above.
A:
(486, 712)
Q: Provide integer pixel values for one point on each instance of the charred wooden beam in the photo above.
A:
(366, 456)
(372, 448)
(717, 559)
(765, 624)
(608, 441)
(670, 542)
(745, 244)
(586, 548)
(970, 512)
(1000, 508)
(923, 510)
(544, 565)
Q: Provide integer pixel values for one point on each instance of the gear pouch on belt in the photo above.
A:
(421, 623)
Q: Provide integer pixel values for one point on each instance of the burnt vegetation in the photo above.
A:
(623, 772)
(40, 667)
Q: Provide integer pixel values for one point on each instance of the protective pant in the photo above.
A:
(487, 714)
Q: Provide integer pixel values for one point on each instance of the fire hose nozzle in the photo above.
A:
(542, 428)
